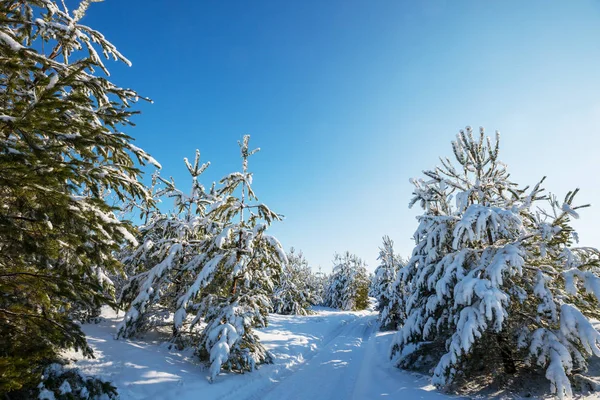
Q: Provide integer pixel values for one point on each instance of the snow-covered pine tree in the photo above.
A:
(238, 274)
(61, 152)
(388, 298)
(318, 284)
(349, 283)
(218, 263)
(294, 294)
(385, 273)
(170, 247)
(495, 285)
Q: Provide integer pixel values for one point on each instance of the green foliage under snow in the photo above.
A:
(61, 154)
(348, 286)
(496, 284)
(298, 287)
(212, 259)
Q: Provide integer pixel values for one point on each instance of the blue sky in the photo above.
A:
(349, 99)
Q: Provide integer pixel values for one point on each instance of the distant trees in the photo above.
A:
(348, 285)
(62, 153)
(298, 289)
(212, 258)
(389, 301)
(495, 283)
(318, 283)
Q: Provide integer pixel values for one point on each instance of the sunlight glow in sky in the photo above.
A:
(349, 99)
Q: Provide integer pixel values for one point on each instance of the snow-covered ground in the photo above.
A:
(330, 355)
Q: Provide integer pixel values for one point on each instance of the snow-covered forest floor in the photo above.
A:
(329, 355)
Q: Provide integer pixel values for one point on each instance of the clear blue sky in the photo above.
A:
(349, 99)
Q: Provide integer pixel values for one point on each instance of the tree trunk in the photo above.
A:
(233, 289)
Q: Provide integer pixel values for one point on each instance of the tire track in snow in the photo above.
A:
(263, 383)
(332, 372)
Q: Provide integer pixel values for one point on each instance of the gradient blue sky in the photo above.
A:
(349, 99)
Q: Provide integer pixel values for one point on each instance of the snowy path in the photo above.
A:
(348, 366)
(331, 355)
(333, 372)
(330, 373)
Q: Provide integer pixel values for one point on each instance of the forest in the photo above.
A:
(106, 263)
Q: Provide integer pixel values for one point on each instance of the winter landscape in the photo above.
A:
(139, 261)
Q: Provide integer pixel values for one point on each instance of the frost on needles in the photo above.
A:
(64, 164)
(207, 269)
(496, 283)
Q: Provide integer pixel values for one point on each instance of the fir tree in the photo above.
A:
(387, 295)
(296, 290)
(348, 285)
(495, 285)
(61, 153)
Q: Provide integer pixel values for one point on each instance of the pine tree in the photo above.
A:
(161, 266)
(219, 264)
(240, 274)
(61, 154)
(494, 284)
(389, 299)
(318, 284)
(349, 283)
(296, 291)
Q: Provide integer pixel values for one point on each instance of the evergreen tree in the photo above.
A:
(161, 266)
(389, 305)
(295, 292)
(240, 274)
(318, 284)
(494, 284)
(221, 266)
(349, 283)
(61, 154)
